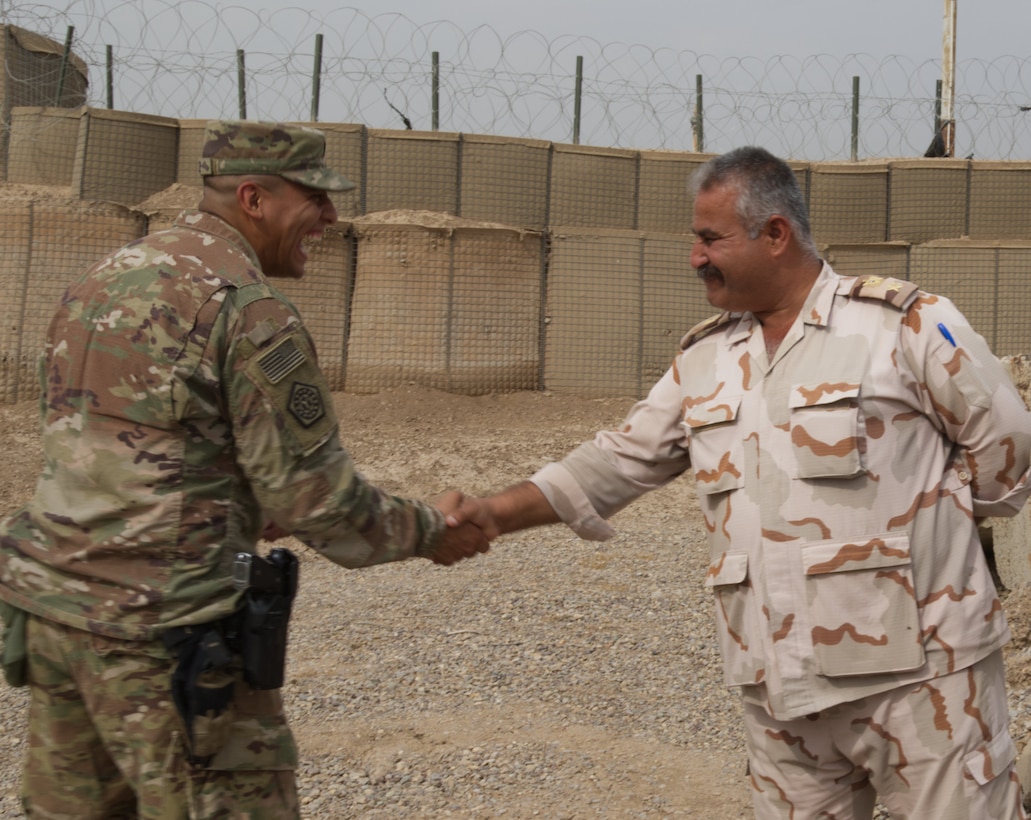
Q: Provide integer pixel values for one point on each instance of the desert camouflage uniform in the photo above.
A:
(936, 750)
(182, 408)
(839, 484)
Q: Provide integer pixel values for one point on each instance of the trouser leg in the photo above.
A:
(941, 750)
(938, 750)
(798, 774)
(68, 771)
(106, 741)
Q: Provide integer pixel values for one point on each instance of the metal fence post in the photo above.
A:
(576, 99)
(110, 60)
(316, 79)
(697, 122)
(64, 65)
(937, 106)
(241, 95)
(855, 118)
(435, 91)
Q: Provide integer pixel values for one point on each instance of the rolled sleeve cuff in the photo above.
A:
(570, 503)
(1007, 506)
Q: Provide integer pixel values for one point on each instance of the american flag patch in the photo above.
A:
(282, 360)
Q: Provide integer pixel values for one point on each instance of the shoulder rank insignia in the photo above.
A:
(896, 292)
(704, 328)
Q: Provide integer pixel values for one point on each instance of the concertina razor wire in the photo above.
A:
(186, 60)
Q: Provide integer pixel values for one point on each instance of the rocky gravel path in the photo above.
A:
(550, 678)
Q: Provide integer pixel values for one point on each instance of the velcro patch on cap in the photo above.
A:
(281, 361)
(305, 404)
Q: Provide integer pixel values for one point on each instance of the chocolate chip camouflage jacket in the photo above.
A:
(840, 484)
(182, 407)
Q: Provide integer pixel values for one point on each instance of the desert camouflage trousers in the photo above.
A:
(105, 739)
(938, 750)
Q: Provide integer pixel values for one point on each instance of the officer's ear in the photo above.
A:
(777, 233)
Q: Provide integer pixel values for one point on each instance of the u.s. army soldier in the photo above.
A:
(845, 435)
(183, 410)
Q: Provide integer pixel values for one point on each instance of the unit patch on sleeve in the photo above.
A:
(297, 392)
(306, 404)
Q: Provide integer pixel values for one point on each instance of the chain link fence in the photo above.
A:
(198, 59)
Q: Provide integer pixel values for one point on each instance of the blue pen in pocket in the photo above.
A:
(945, 332)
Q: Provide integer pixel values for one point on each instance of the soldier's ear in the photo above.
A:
(248, 196)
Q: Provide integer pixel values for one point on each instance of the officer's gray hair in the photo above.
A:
(765, 186)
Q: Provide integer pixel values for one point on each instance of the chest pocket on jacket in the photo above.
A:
(825, 431)
(717, 451)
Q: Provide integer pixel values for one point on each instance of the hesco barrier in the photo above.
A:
(32, 75)
(44, 244)
(617, 304)
(479, 264)
(1010, 538)
(444, 302)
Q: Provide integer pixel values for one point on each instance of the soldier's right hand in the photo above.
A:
(458, 543)
(460, 540)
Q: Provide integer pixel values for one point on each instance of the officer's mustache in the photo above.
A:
(708, 271)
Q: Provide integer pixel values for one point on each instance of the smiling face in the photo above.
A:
(292, 216)
(734, 267)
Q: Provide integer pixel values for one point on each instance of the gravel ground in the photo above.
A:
(549, 678)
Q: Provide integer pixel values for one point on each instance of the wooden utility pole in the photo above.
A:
(948, 98)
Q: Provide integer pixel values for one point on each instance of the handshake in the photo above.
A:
(474, 522)
(470, 528)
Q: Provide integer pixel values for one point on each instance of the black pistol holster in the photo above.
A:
(269, 588)
(209, 656)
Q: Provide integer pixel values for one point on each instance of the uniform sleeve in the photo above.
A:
(971, 395)
(287, 444)
(602, 476)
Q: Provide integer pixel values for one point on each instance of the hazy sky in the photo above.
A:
(753, 28)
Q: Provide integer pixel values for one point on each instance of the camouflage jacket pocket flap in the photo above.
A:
(815, 395)
(729, 568)
(718, 410)
(872, 552)
(992, 759)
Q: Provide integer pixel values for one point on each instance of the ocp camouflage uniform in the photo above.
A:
(839, 484)
(182, 407)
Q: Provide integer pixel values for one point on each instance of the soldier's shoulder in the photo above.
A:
(898, 293)
(704, 328)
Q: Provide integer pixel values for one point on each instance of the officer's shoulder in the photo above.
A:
(898, 293)
(704, 328)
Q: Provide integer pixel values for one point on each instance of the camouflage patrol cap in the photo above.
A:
(294, 152)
